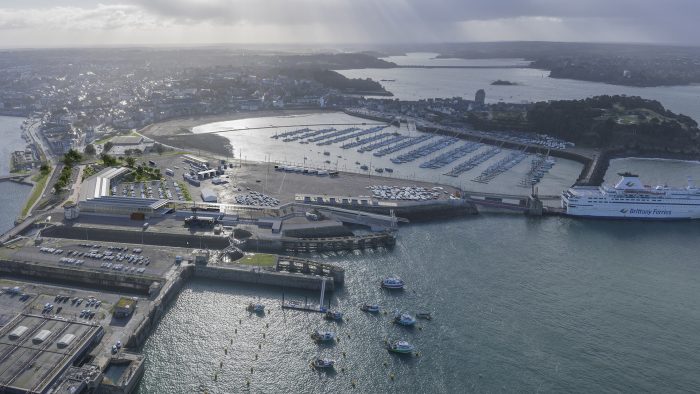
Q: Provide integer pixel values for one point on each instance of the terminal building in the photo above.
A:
(95, 198)
(37, 351)
(123, 143)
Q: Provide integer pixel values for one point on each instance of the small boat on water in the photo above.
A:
(404, 319)
(323, 336)
(371, 308)
(358, 163)
(323, 363)
(387, 169)
(327, 153)
(256, 308)
(334, 315)
(401, 347)
(393, 282)
(424, 315)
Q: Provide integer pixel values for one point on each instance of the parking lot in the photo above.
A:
(136, 260)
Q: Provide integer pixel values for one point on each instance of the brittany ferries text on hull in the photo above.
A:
(631, 199)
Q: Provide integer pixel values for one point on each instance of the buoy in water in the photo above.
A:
(259, 345)
(391, 376)
(343, 354)
(385, 363)
(267, 325)
(235, 331)
(216, 376)
(247, 382)
(263, 335)
(256, 356)
(251, 369)
(221, 364)
(225, 350)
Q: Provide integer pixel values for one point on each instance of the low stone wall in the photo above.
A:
(262, 277)
(158, 307)
(62, 275)
(135, 237)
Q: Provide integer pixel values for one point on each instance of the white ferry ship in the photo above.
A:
(631, 199)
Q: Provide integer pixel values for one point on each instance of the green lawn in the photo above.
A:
(259, 259)
(36, 192)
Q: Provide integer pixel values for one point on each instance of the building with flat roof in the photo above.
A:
(123, 143)
(208, 195)
(196, 160)
(125, 307)
(95, 197)
(37, 350)
(127, 140)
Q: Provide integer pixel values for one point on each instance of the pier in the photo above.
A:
(370, 241)
(18, 178)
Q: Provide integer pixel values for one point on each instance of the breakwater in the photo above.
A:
(137, 237)
(258, 276)
(66, 275)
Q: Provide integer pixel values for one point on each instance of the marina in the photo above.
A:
(452, 156)
(473, 162)
(424, 150)
(503, 165)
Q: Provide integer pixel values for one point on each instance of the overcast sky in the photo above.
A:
(51, 23)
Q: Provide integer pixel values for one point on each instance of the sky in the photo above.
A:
(68, 23)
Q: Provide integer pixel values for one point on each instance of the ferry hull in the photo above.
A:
(654, 212)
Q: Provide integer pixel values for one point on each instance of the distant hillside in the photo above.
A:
(335, 80)
(619, 124)
(616, 123)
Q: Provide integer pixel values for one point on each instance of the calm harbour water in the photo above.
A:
(416, 83)
(12, 195)
(520, 305)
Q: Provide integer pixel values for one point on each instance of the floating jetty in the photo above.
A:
(383, 143)
(452, 155)
(424, 150)
(290, 133)
(331, 135)
(540, 165)
(346, 137)
(308, 134)
(402, 145)
(365, 141)
(473, 161)
(305, 306)
(503, 165)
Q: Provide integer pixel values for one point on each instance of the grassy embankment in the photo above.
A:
(258, 259)
(39, 183)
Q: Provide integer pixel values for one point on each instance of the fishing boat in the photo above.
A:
(334, 315)
(256, 308)
(401, 347)
(323, 363)
(372, 308)
(404, 319)
(393, 282)
(424, 315)
(323, 336)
